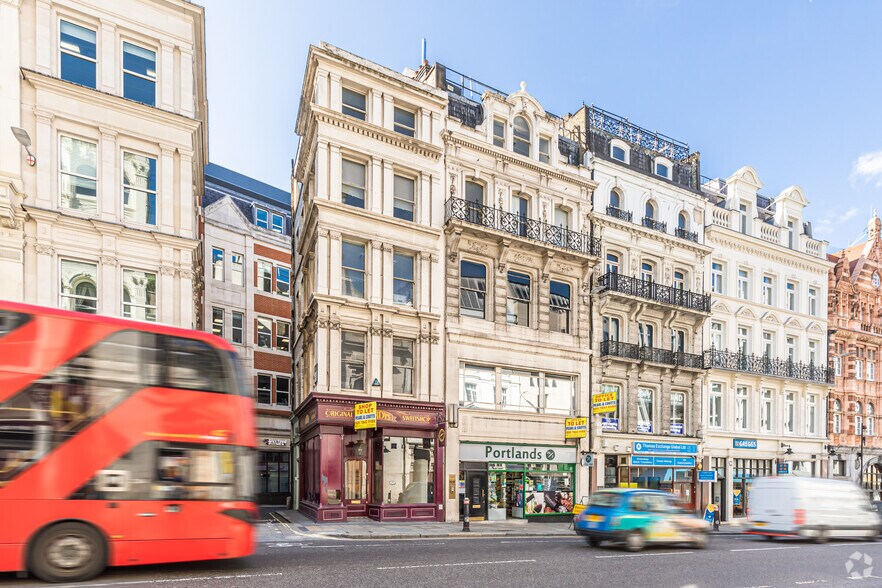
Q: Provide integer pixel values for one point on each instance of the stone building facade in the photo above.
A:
(855, 321)
(111, 96)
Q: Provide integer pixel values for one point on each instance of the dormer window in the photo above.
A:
(663, 168)
(619, 153)
(544, 150)
(354, 104)
(498, 132)
(521, 136)
(261, 218)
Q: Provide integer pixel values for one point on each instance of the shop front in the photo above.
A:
(273, 470)
(514, 481)
(391, 473)
(658, 466)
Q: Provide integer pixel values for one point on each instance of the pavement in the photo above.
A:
(364, 528)
(286, 558)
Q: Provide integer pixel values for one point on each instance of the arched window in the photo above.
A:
(647, 271)
(683, 221)
(650, 210)
(837, 416)
(663, 169)
(615, 199)
(837, 406)
(858, 408)
(521, 136)
(618, 152)
(612, 263)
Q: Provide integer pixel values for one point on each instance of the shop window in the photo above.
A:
(407, 471)
(678, 412)
(558, 392)
(477, 387)
(520, 391)
(547, 491)
(644, 410)
(272, 470)
(609, 421)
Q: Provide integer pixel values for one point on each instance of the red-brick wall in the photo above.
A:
(271, 362)
(270, 253)
(280, 307)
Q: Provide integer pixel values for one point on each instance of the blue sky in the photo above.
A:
(791, 87)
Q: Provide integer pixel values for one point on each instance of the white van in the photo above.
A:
(812, 508)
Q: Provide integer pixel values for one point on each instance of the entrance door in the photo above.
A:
(476, 492)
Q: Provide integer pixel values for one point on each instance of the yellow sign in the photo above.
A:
(576, 428)
(605, 401)
(366, 415)
(577, 508)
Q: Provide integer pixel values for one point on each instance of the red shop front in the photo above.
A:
(392, 473)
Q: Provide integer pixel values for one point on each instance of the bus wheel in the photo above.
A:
(68, 552)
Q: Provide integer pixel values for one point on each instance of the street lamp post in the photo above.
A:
(861, 470)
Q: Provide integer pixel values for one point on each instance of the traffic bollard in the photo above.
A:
(465, 515)
(717, 518)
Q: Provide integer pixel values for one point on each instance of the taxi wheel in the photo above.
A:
(700, 539)
(592, 541)
(635, 541)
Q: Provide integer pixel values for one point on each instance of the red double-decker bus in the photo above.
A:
(121, 443)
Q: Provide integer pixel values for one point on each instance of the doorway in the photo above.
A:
(476, 492)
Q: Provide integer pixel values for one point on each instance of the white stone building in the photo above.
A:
(766, 340)
(112, 98)
(247, 269)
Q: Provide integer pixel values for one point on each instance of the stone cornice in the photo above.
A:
(786, 257)
(602, 220)
(451, 138)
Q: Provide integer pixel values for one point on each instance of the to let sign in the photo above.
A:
(605, 401)
(366, 415)
(576, 428)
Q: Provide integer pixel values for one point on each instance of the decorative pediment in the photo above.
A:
(794, 194)
(793, 322)
(746, 312)
(224, 210)
(771, 318)
(815, 327)
(522, 99)
(748, 175)
(721, 307)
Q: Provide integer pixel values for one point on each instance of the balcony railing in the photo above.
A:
(625, 215)
(655, 225)
(651, 354)
(616, 282)
(768, 366)
(520, 226)
(684, 234)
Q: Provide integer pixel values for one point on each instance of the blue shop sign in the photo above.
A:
(707, 476)
(641, 460)
(744, 443)
(662, 461)
(666, 448)
(783, 469)
(676, 428)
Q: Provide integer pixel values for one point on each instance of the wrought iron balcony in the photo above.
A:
(768, 366)
(688, 235)
(520, 226)
(651, 354)
(623, 284)
(655, 225)
(625, 215)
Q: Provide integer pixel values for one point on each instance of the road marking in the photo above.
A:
(464, 563)
(171, 580)
(544, 541)
(644, 554)
(765, 548)
(810, 582)
(851, 544)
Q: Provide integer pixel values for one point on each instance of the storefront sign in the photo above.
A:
(605, 401)
(676, 428)
(365, 415)
(662, 461)
(275, 442)
(783, 469)
(744, 443)
(517, 453)
(383, 416)
(707, 476)
(609, 424)
(666, 448)
(576, 428)
(442, 437)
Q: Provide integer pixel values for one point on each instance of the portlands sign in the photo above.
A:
(516, 453)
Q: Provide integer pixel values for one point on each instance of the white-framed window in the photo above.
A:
(264, 332)
(352, 359)
(619, 151)
(716, 330)
(663, 168)
(767, 414)
(871, 372)
(217, 264)
(859, 369)
(615, 199)
(217, 321)
(645, 405)
(79, 286)
(278, 223)
(403, 198)
(811, 414)
(78, 54)
(717, 277)
(139, 295)
(679, 279)
(237, 330)
(646, 334)
(283, 335)
(544, 149)
(264, 389)
(743, 284)
(139, 188)
(743, 339)
(354, 104)
(498, 132)
(791, 295)
(353, 269)
(518, 299)
(78, 175)
(610, 328)
(649, 210)
(715, 410)
(683, 221)
(264, 276)
(559, 307)
(517, 390)
(871, 419)
(283, 281)
(789, 412)
(612, 263)
(837, 416)
(402, 279)
(813, 301)
(261, 217)
(139, 74)
(404, 122)
(813, 352)
(237, 269)
(678, 413)
(791, 234)
(768, 344)
(354, 183)
(837, 366)
(283, 391)
(402, 365)
(744, 218)
(647, 271)
(472, 289)
(521, 137)
(742, 413)
(769, 290)
(678, 340)
(791, 348)
(858, 424)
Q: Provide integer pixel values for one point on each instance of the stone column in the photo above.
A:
(321, 88)
(109, 300)
(322, 172)
(334, 261)
(386, 363)
(374, 262)
(46, 274)
(167, 294)
(187, 198)
(375, 361)
(47, 172)
(166, 75)
(385, 195)
(424, 124)
(424, 199)
(322, 254)
(375, 107)
(387, 274)
(165, 198)
(109, 63)
(109, 190)
(423, 282)
(335, 177)
(45, 38)
(334, 358)
(187, 96)
(336, 93)
(388, 119)
(320, 356)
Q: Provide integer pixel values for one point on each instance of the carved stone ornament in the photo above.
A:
(564, 269)
(108, 260)
(479, 248)
(522, 258)
(452, 185)
(376, 331)
(44, 249)
(166, 270)
(187, 274)
(323, 323)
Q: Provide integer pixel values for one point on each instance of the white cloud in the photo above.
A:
(830, 223)
(868, 168)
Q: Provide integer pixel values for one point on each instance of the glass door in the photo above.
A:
(476, 492)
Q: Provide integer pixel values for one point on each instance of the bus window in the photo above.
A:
(194, 365)
(9, 321)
